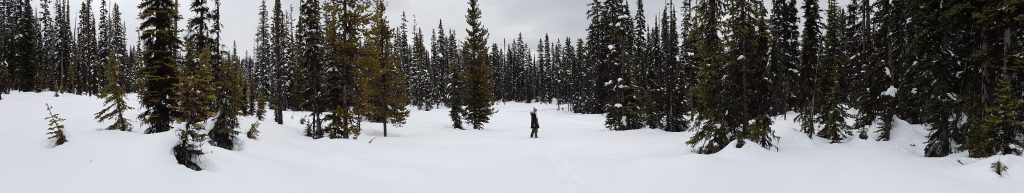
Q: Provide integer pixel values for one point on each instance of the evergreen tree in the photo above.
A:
(344, 22)
(310, 61)
(119, 48)
(56, 128)
(931, 80)
(113, 95)
(877, 100)
(608, 37)
(103, 40)
(86, 57)
(64, 54)
(47, 48)
(277, 63)
(262, 63)
(159, 34)
(478, 91)
(195, 95)
(784, 55)
(422, 73)
(831, 113)
(709, 59)
(676, 70)
(1001, 129)
(22, 62)
(382, 93)
(808, 72)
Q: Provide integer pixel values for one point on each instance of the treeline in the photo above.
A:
(43, 51)
(724, 68)
(719, 68)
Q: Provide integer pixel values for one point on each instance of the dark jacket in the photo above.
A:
(533, 121)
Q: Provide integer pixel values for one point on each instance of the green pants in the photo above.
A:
(533, 134)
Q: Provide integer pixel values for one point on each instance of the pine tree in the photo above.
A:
(677, 70)
(310, 61)
(23, 64)
(119, 48)
(113, 95)
(159, 34)
(343, 30)
(608, 37)
(1001, 129)
(829, 104)
(478, 90)
(56, 128)
(709, 60)
(262, 62)
(382, 83)
(195, 95)
(277, 63)
(1000, 132)
(808, 72)
(876, 102)
(422, 74)
(784, 55)
(931, 82)
(103, 39)
(86, 56)
(64, 54)
(48, 47)
(6, 32)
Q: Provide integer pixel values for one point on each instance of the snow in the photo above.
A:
(890, 92)
(575, 153)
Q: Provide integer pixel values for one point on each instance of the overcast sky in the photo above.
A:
(504, 18)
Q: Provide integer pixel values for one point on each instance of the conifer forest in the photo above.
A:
(903, 95)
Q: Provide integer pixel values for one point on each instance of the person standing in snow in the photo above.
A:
(533, 123)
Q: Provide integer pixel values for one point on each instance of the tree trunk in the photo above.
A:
(385, 128)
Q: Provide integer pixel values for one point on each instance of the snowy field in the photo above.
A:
(574, 154)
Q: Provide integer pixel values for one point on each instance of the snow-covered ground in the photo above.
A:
(574, 154)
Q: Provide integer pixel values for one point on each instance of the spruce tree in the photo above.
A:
(1001, 130)
(384, 99)
(48, 79)
(808, 72)
(422, 74)
(478, 88)
(610, 45)
(830, 97)
(277, 60)
(931, 81)
(64, 54)
(343, 29)
(23, 64)
(677, 70)
(784, 55)
(56, 128)
(709, 59)
(119, 48)
(113, 95)
(195, 95)
(159, 34)
(876, 101)
(310, 61)
(262, 60)
(86, 56)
